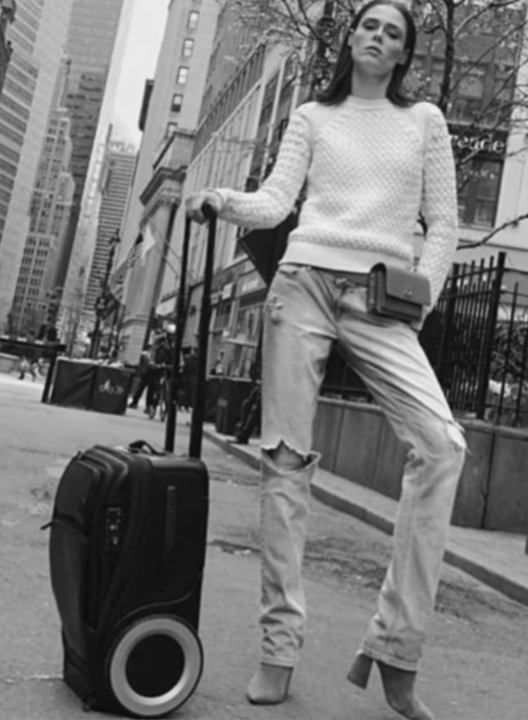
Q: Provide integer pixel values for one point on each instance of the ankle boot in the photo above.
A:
(269, 685)
(398, 686)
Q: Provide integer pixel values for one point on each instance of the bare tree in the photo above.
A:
(471, 61)
(471, 57)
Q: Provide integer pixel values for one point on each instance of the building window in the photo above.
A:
(188, 47)
(171, 128)
(469, 92)
(479, 185)
(183, 74)
(177, 101)
(192, 22)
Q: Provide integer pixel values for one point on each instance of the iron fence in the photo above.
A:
(507, 399)
(458, 334)
(476, 339)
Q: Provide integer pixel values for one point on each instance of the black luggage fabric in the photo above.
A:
(73, 384)
(127, 543)
(127, 553)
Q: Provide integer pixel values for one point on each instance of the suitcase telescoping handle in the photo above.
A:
(195, 444)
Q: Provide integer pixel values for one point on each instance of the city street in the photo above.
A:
(476, 660)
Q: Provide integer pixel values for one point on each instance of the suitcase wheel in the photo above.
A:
(155, 665)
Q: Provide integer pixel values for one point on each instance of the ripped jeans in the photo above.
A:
(307, 310)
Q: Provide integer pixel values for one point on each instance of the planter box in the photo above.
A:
(8, 363)
(506, 507)
(473, 488)
(357, 443)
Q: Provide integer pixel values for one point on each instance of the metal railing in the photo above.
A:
(507, 399)
(476, 339)
(458, 334)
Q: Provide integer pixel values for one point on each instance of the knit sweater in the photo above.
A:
(371, 167)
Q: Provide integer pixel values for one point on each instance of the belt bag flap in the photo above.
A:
(398, 293)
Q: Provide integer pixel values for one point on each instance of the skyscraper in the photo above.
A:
(169, 118)
(116, 178)
(37, 38)
(35, 298)
(91, 47)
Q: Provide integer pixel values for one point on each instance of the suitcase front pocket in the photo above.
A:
(68, 549)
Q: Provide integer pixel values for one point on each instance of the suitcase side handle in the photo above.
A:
(195, 441)
(143, 446)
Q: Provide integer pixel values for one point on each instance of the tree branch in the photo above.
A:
(475, 63)
(445, 86)
(478, 13)
(494, 232)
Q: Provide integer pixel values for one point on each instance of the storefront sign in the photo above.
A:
(493, 143)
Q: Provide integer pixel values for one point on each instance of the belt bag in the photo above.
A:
(397, 293)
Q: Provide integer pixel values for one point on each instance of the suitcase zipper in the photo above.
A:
(132, 537)
(101, 490)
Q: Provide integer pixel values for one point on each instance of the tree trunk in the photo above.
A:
(445, 87)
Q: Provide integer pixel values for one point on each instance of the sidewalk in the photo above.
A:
(495, 558)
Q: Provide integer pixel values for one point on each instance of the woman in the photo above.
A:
(373, 160)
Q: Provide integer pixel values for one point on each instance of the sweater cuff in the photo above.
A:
(221, 196)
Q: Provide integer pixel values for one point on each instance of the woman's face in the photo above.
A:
(378, 42)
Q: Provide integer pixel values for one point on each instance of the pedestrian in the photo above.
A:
(27, 365)
(157, 389)
(144, 373)
(150, 368)
(188, 379)
(373, 160)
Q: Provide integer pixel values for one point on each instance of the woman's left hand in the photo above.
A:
(194, 205)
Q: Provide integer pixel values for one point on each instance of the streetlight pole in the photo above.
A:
(102, 300)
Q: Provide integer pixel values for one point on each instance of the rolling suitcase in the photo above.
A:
(127, 552)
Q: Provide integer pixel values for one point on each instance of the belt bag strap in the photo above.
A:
(397, 293)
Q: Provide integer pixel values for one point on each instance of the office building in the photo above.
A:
(37, 295)
(168, 119)
(94, 45)
(37, 39)
(115, 183)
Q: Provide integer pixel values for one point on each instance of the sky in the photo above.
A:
(139, 63)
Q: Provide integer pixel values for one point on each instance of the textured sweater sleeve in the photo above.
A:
(439, 204)
(276, 197)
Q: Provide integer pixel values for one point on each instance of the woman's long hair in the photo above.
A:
(340, 85)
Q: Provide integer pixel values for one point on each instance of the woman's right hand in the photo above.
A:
(194, 204)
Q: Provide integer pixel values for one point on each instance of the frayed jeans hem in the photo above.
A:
(389, 659)
(278, 662)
